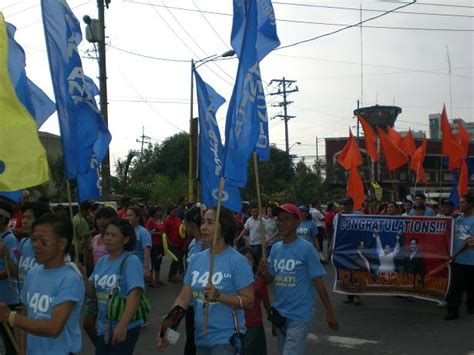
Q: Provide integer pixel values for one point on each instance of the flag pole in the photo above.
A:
(440, 177)
(11, 337)
(71, 215)
(260, 209)
(213, 251)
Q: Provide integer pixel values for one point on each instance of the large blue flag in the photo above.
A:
(80, 122)
(31, 96)
(210, 149)
(253, 37)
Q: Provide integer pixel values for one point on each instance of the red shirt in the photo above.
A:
(253, 317)
(328, 222)
(122, 213)
(156, 229)
(172, 230)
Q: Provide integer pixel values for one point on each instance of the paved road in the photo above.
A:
(381, 325)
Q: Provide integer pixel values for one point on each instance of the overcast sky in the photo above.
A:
(402, 64)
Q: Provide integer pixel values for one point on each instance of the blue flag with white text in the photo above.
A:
(253, 37)
(84, 136)
(210, 149)
(38, 104)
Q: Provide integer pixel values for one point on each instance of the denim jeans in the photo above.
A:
(125, 348)
(292, 337)
(220, 349)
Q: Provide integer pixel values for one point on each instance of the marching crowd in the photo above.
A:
(46, 298)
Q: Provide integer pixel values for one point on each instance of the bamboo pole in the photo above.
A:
(11, 337)
(213, 250)
(260, 209)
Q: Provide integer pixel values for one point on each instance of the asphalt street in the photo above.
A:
(380, 325)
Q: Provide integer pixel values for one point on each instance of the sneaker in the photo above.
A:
(144, 325)
(451, 316)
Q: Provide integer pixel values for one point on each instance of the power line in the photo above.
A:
(367, 10)
(149, 56)
(344, 28)
(194, 41)
(210, 25)
(314, 22)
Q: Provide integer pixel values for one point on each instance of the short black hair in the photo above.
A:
(248, 250)
(227, 223)
(105, 212)
(127, 230)
(61, 227)
(85, 205)
(193, 215)
(469, 197)
(7, 208)
(409, 201)
(413, 239)
(39, 209)
(253, 205)
(421, 195)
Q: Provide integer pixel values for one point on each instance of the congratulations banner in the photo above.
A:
(382, 255)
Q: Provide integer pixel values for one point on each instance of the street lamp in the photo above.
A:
(192, 191)
(296, 143)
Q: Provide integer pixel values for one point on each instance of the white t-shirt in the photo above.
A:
(253, 226)
(317, 216)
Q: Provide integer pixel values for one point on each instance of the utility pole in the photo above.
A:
(317, 151)
(284, 89)
(143, 139)
(95, 33)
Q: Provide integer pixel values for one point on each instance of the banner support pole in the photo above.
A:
(75, 242)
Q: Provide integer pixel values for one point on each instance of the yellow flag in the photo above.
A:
(23, 161)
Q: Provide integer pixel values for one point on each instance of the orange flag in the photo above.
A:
(464, 139)
(355, 188)
(395, 136)
(416, 163)
(394, 156)
(450, 146)
(350, 156)
(408, 144)
(370, 138)
(463, 180)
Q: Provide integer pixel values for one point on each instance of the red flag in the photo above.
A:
(350, 156)
(463, 179)
(394, 156)
(450, 146)
(416, 163)
(355, 188)
(408, 144)
(395, 136)
(464, 139)
(370, 138)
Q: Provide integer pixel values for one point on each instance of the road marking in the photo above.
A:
(343, 342)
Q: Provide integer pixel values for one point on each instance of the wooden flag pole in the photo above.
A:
(260, 208)
(71, 215)
(11, 337)
(213, 250)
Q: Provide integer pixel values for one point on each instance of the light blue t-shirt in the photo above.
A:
(307, 230)
(27, 260)
(294, 266)
(463, 228)
(45, 289)
(429, 212)
(143, 241)
(105, 275)
(232, 272)
(194, 247)
(9, 292)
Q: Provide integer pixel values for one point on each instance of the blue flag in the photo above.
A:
(454, 195)
(38, 104)
(12, 195)
(84, 136)
(210, 149)
(253, 37)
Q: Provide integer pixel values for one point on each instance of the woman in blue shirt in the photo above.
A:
(118, 268)
(232, 289)
(143, 240)
(53, 293)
